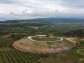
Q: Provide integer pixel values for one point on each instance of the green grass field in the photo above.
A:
(8, 54)
(45, 38)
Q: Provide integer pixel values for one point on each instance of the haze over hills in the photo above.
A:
(60, 20)
(52, 20)
(39, 21)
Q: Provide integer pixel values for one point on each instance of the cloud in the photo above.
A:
(17, 9)
(7, 1)
(73, 3)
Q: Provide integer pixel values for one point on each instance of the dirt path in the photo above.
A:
(30, 37)
(80, 52)
(72, 39)
(80, 60)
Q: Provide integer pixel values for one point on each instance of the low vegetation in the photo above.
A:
(9, 35)
(44, 39)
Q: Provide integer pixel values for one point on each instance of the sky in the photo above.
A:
(29, 9)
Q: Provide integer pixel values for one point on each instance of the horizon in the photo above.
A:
(50, 19)
(42, 18)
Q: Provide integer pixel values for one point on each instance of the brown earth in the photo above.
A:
(27, 45)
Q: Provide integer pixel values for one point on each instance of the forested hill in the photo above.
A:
(51, 20)
(38, 22)
(60, 20)
(20, 23)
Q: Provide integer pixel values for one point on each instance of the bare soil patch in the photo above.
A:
(28, 45)
(71, 38)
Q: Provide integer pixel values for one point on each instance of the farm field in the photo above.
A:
(9, 54)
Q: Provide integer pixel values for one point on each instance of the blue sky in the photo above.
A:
(28, 9)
